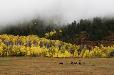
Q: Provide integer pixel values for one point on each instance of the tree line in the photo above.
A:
(89, 29)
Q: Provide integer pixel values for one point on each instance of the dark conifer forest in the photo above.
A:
(88, 29)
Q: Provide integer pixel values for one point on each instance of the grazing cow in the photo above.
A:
(73, 62)
(61, 63)
(79, 62)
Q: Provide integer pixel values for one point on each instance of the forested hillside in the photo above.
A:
(86, 38)
(95, 29)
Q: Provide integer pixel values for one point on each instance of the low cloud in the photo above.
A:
(62, 10)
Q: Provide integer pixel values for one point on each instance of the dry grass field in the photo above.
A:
(52, 66)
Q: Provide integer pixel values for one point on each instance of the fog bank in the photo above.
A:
(62, 11)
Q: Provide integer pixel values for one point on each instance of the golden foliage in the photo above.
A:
(32, 45)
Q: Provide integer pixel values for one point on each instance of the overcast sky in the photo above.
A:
(68, 10)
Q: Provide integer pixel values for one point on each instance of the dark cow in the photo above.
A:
(61, 63)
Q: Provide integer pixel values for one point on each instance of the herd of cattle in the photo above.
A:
(72, 62)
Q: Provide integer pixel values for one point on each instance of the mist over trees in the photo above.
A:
(34, 27)
(87, 29)
(90, 29)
